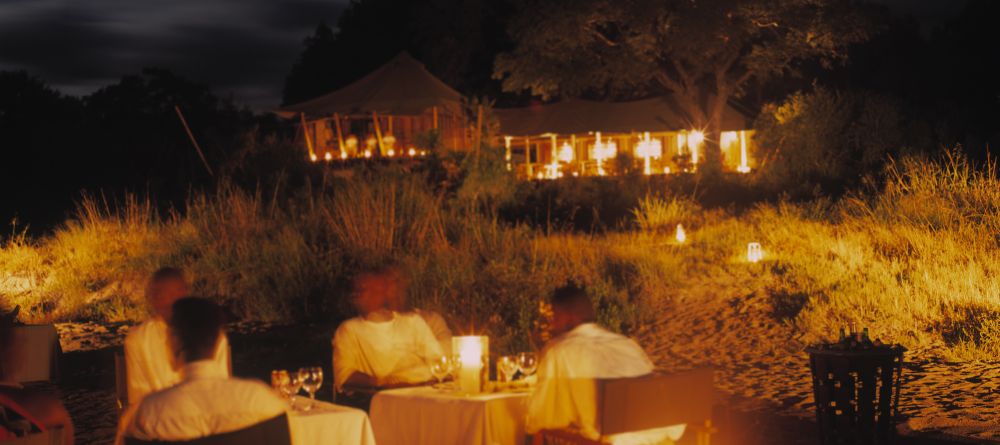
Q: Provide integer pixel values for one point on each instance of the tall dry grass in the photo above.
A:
(916, 260)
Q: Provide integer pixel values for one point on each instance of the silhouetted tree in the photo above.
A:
(456, 39)
(703, 52)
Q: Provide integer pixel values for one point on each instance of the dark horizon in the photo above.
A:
(240, 48)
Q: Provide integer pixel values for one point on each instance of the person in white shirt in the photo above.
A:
(397, 301)
(147, 352)
(207, 401)
(581, 351)
(381, 347)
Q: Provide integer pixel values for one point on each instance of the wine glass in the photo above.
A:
(508, 366)
(279, 379)
(312, 379)
(456, 366)
(527, 363)
(441, 368)
(287, 383)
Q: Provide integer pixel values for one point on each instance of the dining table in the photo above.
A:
(426, 415)
(328, 424)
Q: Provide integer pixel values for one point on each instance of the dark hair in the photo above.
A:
(197, 324)
(167, 273)
(573, 298)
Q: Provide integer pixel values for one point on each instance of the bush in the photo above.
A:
(827, 139)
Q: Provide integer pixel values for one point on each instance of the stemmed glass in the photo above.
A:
(508, 366)
(312, 379)
(456, 366)
(527, 363)
(286, 383)
(440, 369)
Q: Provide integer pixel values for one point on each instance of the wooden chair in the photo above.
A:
(641, 403)
(121, 379)
(269, 432)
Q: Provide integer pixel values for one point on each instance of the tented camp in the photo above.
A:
(581, 137)
(400, 109)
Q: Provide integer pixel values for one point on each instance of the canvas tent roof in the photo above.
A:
(402, 86)
(577, 116)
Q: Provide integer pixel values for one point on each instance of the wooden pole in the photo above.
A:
(340, 134)
(378, 132)
(479, 128)
(193, 141)
(527, 157)
(305, 131)
(434, 111)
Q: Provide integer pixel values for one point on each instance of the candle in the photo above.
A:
(471, 350)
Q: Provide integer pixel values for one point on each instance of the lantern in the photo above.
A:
(473, 353)
(328, 156)
(754, 253)
(680, 235)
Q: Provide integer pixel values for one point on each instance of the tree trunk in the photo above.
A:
(713, 133)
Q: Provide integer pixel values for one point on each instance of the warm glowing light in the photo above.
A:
(540, 175)
(328, 156)
(473, 353)
(694, 141)
(507, 154)
(681, 236)
(566, 153)
(648, 148)
(754, 253)
(389, 142)
(727, 138)
(412, 152)
(312, 157)
(666, 170)
(343, 154)
(601, 151)
(368, 153)
(744, 166)
(390, 153)
(681, 142)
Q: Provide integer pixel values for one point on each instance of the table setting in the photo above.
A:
(464, 406)
(315, 422)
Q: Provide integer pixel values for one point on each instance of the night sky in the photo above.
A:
(239, 47)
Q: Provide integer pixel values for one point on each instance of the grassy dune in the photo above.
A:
(917, 260)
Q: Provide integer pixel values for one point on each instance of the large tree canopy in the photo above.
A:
(705, 52)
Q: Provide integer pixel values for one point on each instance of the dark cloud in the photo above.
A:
(243, 47)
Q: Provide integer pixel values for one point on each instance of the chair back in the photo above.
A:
(121, 379)
(269, 432)
(654, 401)
(41, 364)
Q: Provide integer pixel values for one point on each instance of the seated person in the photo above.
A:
(147, 352)
(381, 347)
(24, 411)
(579, 352)
(207, 401)
(434, 320)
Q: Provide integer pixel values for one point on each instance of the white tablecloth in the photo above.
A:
(423, 415)
(331, 424)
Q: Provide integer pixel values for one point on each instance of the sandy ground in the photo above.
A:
(765, 396)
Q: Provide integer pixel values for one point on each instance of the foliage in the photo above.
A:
(703, 52)
(826, 137)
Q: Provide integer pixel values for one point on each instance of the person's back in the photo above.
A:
(204, 404)
(565, 396)
(148, 356)
(207, 401)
